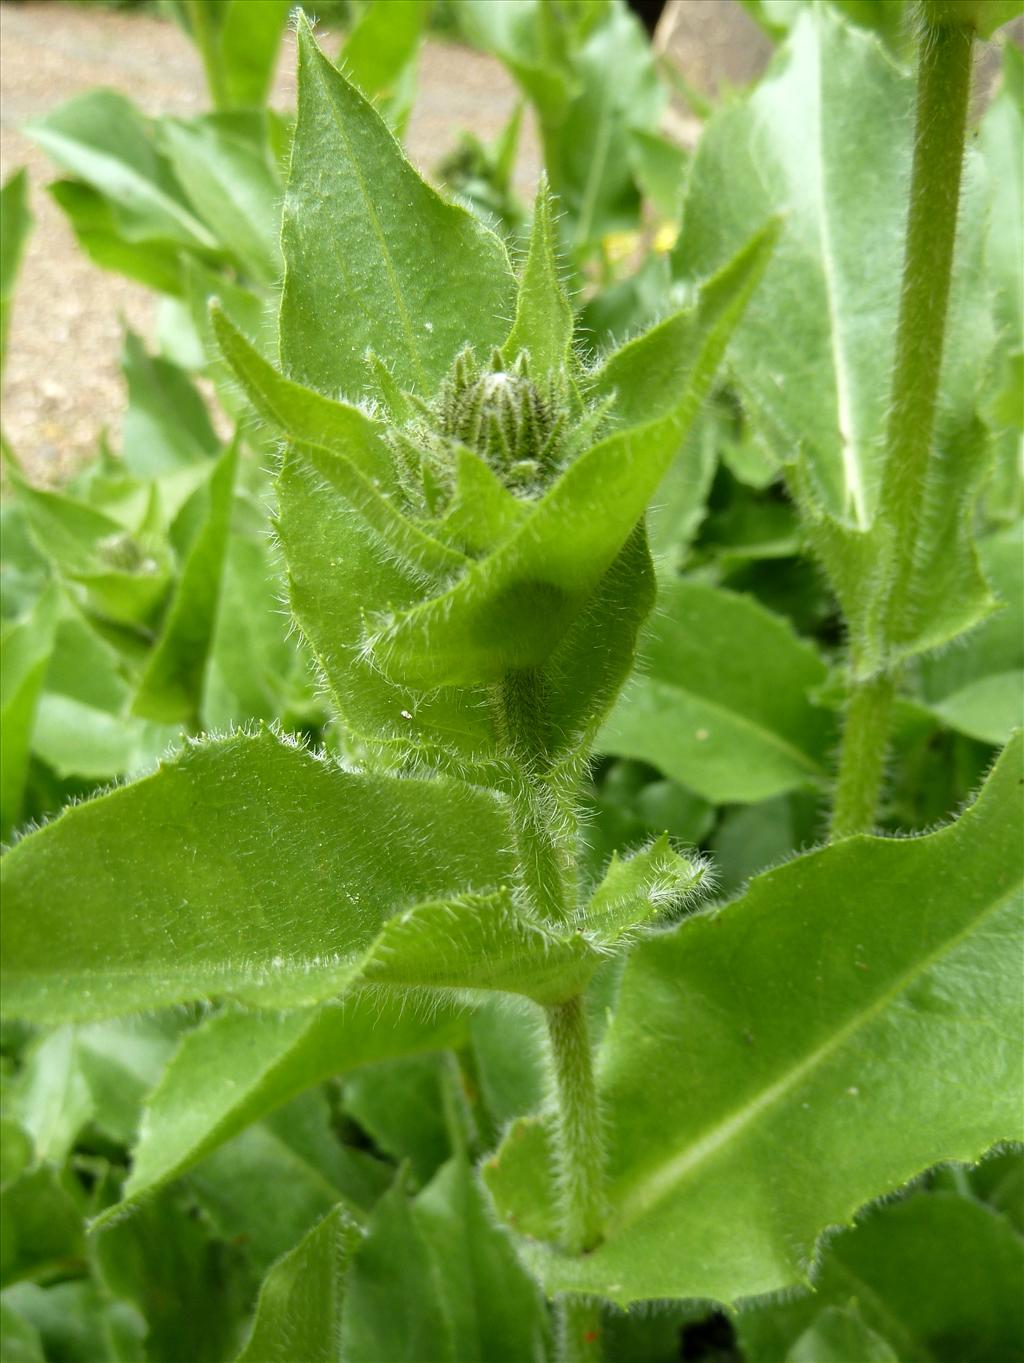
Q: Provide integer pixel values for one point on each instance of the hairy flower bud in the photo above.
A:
(524, 428)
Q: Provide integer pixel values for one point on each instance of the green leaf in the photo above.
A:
(508, 1058)
(680, 506)
(121, 1060)
(225, 167)
(24, 570)
(265, 1188)
(120, 576)
(15, 225)
(374, 259)
(302, 1301)
(394, 1264)
(51, 1097)
(184, 883)
(102, 138)
(888, 18)
(1000, 139)
(257, 670)
(80, 727)
(858, 1005)
(497, 1311)
(97, 1074)
(237, 1067)
(167, 1264)
(826, 140)
(629, 805)
(480, 942)
(319, 524)
(166, 426)
(543, 325)
(319, 527)
(522, 37)
(80, 740)
(300, 413)
(25, 649)
(837, 1335)
(456, 1274)
(754, 837)
(659, 166)
(42, 1226)
(172, 684)
(640, 889)
(720, 702)
(407, 1107)
(15, 1150)
(362, 469)
(109, 243)
(247, 310)
(379, 55)
(999, 1180)
(510, 609)
(977, 689)
(79, 1323)
(589, 154)
(562, 60)
(936, 1274)
(248, 41)
(20, 1341)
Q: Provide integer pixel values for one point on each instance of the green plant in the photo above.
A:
(603, 151)
(460, 506)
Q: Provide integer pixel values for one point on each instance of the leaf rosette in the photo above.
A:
(471, 507)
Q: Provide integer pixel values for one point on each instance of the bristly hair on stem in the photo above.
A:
(944, 81)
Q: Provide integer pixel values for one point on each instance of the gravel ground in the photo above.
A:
(63, 382)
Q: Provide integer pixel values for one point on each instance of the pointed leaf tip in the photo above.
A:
(359, 224)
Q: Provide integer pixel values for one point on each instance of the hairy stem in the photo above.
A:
(545, 816)
(580, 1140)
(578, 1322)
(943, 90)
(862, 761)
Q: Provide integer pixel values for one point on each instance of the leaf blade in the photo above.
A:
(388, 301)
(720, 703)
(811, 1001)
(238, 824)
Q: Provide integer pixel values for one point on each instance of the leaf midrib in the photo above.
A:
(378, 231)
(850, 443)
(661, 1182)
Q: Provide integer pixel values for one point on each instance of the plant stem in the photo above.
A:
(545, 818)
(862, 761)
(943, 90)
(579, 1330)
(580, 1140)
